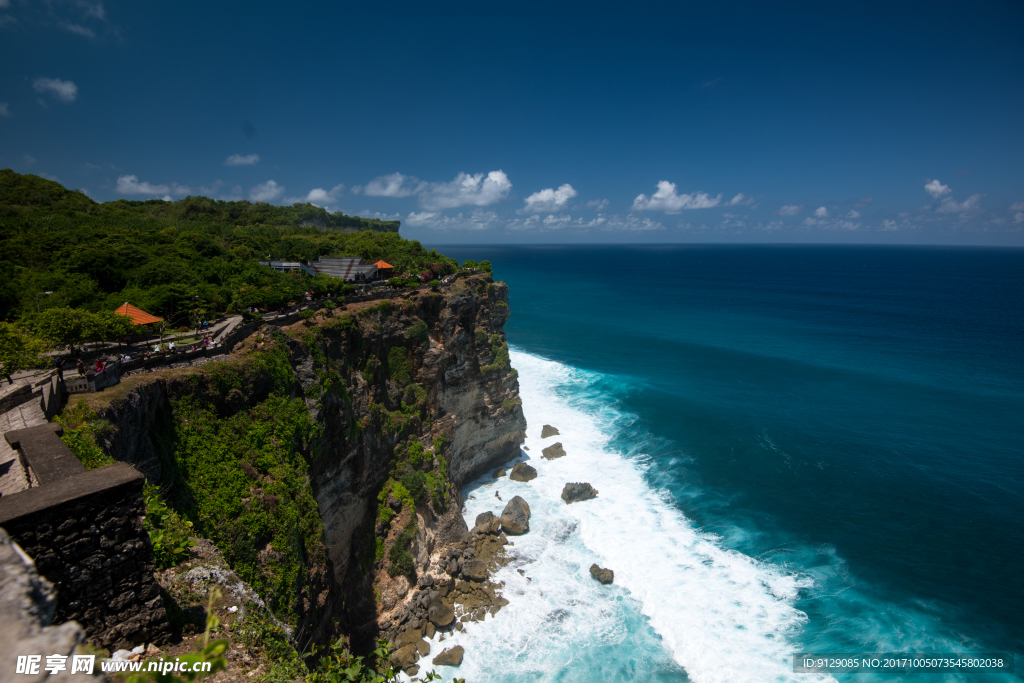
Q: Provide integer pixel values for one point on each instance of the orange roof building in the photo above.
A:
(381, 265)
(138, 316)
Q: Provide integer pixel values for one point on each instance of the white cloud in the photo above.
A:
(4, 109)
(266, 192)
(318, 196)
(599, 204)
(949, 205)
(65, 91)
(853, 214)
(4, 4)
(790, 209)
(466, 190)
(633, 223)
(392, 185)
(29, 159)
(239, 160)
(1018, 217)
(478, 220)
(936, 189)
(129, 184)
(889, 225)
(80, 30)
(741, 199)
(821, 212)
(666, 199)
(553, 221)
(549, 199)
(1017, 206)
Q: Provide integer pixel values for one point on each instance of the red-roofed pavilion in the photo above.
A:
(138, 316)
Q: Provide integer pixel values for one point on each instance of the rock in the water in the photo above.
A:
(487, 523)
(547, 431)
(553, 451)
(475, 570)
(522, 472)
(450, 657)
(515, 518)
(498, 474)
(423, 648)
(573, 492)
(603, 575)
(429, 631)
(440, 613)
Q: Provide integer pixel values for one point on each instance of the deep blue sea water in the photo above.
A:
(796, 448)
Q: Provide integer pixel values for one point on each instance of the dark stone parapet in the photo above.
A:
(86, 536)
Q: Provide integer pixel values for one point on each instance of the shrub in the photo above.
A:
(434, 283)
(169, 533)
(418, 331)
(412, 283)
(400, 559)
(481, 337)
(330, 305)
(415, 482)
(399, 366)
(394, 282)
(81, 431)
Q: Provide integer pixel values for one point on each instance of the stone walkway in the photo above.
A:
(13, 477)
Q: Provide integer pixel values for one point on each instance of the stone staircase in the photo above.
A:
(28, 403)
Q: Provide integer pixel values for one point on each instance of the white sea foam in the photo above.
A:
(680, 601)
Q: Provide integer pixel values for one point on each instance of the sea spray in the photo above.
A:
(682, 607)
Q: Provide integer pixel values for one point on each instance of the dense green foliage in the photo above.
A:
(184, 260)
(241, 478)
(170, 535)
(81, 431)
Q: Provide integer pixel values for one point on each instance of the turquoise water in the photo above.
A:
(796, 448)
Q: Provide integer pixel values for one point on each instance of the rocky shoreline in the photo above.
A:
(458, 590)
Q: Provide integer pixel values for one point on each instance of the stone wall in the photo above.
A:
(27, 602)
(87, 538)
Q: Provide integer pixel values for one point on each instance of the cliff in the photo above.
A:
(325, 459)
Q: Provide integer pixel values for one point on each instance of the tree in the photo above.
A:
(19, 350)
(63, 327)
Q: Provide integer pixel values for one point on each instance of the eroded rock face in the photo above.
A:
(522, 472)
(450, 657)
(605, 576)
(553, 451)
(547, 431)
(515, 518)
(574, 492)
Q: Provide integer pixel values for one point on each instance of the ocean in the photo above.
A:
(796, 448)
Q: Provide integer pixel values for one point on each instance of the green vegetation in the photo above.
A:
(81, 430)
(184, 260)
(483, 265)
(168, 532)
(19, 350)
(399, 366)
(241, 478)
(419, 332)
(499, 353)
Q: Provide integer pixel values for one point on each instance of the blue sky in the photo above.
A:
(548, 122)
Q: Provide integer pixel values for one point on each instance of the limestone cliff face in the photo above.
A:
(417, 387)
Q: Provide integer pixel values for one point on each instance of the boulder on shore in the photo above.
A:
(515, 518)
(553, 451)
(522, 472)
(440, 612)
(498, 473)
(450, 657)
(405, 657)
(474, 570)
(577, 491)
(547, 431)
(487, 523)
(603, 575)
